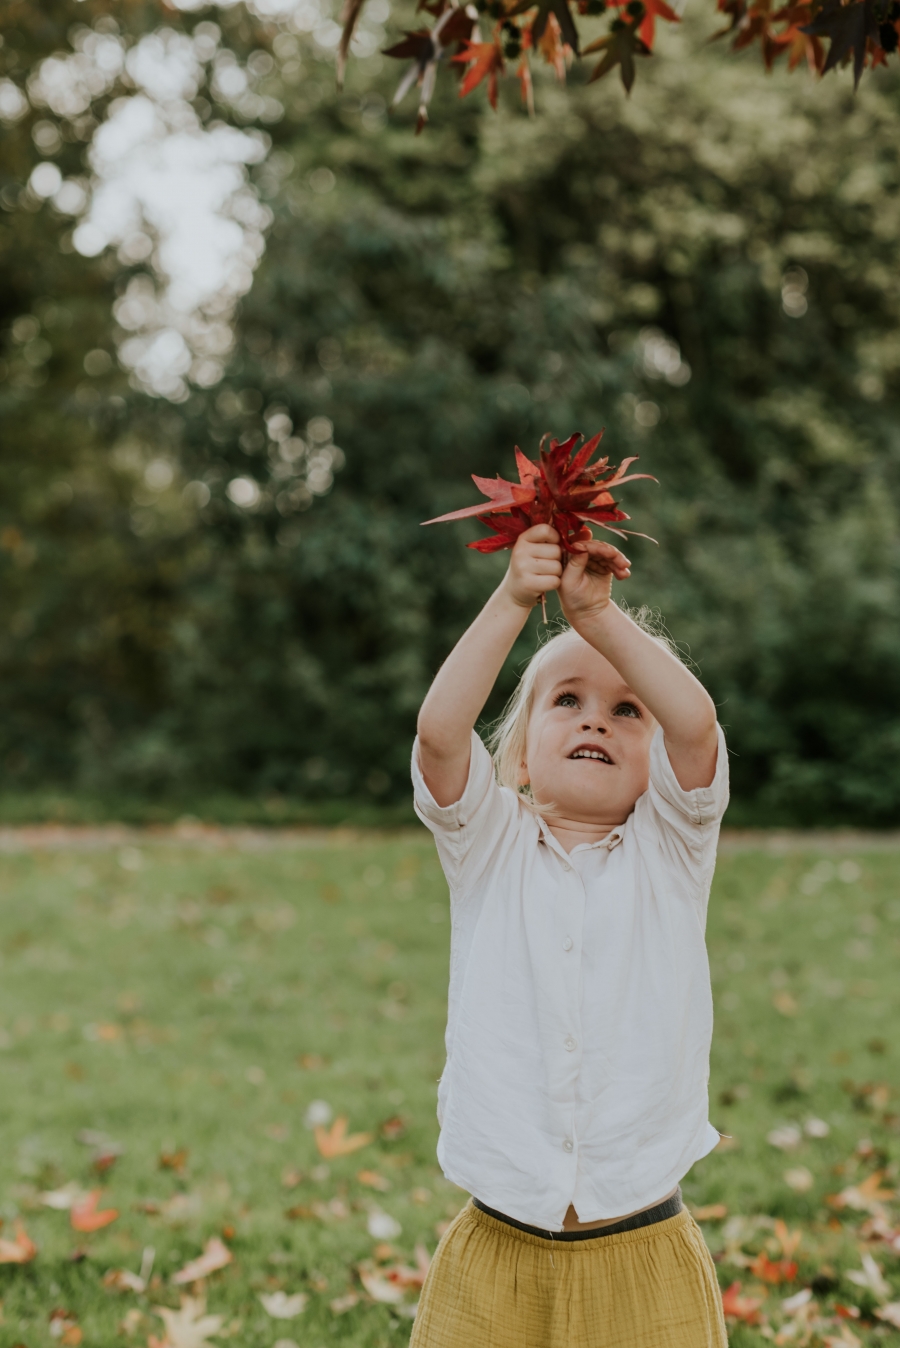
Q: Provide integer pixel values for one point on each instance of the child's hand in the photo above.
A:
(586, 583)
(535, 565)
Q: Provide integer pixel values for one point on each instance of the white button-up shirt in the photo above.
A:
(580, 1008)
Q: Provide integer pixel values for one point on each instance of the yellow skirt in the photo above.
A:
(493, 1286)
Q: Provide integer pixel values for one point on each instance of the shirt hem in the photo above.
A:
(510, 1207)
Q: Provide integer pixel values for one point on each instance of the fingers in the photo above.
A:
(604, 558)
(540, 533)
(550, 552)
(542, 571)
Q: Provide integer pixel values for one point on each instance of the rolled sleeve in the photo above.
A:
(468, 826)
(683, 826)
(705, 804)
(451, 818)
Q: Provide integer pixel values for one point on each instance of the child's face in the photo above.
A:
(581, 708)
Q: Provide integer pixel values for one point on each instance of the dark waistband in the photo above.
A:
(669, 1207)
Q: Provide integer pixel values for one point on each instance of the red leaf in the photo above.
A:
(85, 1217)
(656, 9)
(737, 1307)
(773, 1270)
(485, 61)
(562, 489)
(19, 1251)
(334, 1141)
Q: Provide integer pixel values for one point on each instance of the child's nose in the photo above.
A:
(599, 727)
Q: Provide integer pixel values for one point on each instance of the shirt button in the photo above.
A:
(570, 1044)
(566, 866)
(567, 943)
(568, 1144)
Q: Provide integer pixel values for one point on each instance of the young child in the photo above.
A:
(574, 1096)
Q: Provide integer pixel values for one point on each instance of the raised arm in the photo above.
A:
(670, 692)
(464, 681)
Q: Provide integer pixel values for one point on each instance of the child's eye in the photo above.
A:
(566, 700)
(627, 709)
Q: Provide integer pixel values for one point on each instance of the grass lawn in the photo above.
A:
(189, 1005)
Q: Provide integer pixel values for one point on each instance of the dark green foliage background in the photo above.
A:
(485, 282)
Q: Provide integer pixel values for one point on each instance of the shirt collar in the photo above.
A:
(612, 839)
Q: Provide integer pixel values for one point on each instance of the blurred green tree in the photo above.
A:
(233, 590)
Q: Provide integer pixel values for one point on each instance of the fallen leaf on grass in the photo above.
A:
(173, 1160)
(131, 1321)
(123, 1280)
(789, 1241)
(791, 1305)
(879, 1228)
(215, 1256)
(800, 1179)
(84, 1215)
(334, 1141)
(380, 1287)
(393, 1129)
(65, 1327)
(382, 1226)
(19, 1251)
(391, 1284)
(340, 1305)
(415, 1277)
(737, 1307)
(189, 1326)
(773, 1271)
(312, 1062)
(816, 1128)
(786, 1138)
(865, 1197)
(373, 1180)
(846, 1339)
(870, 1277)
(785, 1004)
(318, 1112)
(106, 1151)
(713, 1212)
(283, 1307)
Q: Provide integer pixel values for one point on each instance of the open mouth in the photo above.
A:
(592, 751)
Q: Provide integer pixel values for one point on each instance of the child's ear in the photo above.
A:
(524, 778)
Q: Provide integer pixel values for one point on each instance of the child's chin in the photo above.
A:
(597, 799)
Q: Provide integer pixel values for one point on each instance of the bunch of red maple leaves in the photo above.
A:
(562, 488)
(861, 32)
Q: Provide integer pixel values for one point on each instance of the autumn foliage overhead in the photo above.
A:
(489, 39)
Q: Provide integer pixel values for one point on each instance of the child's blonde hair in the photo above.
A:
(506, 737)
